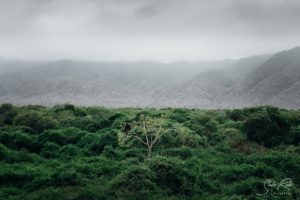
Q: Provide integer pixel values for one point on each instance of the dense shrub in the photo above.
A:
(295, 134)
(70, 151)
(35, 121)
(62, 137)
(182, 153)
(50, 150)
(178, 136)
(17, 175)
(97, 167)
(200, 154)
(66, 177)
(17, 140)
(93, 126)
(110, 152)
(5, 153)
(268, 127)
(180, 115)
(105, 138)
(88, 139)
(54, 136)
(203, 125)
(6, 108)
(134, 183)
(236, 114)
(136, 153)
(171, 175)
(7, 114)
(250, 187)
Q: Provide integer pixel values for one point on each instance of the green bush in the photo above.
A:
(110, 152)
(178, 136)
(89, 139)
(105, 138)
(180, 115)
(50, 150)
(295, 134)
(182, 153)
(37, 122)
(99, 167)
(171, 175)
(7, 114)
(62, 137)
(203, 125)
(66, 177)
(236, 114)
(70, 151)
(249, 188)
(17, 175)
(134, 183)
(138, 153)
(17, 140)
(201, 154)
(5, 154)
(267, 127)
(54, 136)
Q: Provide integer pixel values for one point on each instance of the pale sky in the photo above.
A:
(157, 30)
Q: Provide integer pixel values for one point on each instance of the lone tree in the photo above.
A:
(146, 130)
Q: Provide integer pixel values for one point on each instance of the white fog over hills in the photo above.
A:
(257, 80)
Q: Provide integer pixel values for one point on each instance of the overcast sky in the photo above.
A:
(158, 30)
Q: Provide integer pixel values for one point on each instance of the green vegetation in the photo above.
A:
(68, 152)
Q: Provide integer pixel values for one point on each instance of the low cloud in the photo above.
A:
(160, 30)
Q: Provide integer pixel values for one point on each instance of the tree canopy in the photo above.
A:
(70, 152)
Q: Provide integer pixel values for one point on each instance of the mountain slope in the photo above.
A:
(206, 88)
(275, 80)
(88, 83)
(257, 80)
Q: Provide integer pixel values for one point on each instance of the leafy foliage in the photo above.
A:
(69, 152)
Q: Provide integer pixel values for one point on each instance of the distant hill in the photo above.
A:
(94, 83)
(208, 87)
(11, 66)
(257, 80)
(275, 82)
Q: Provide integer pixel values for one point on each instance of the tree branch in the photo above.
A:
(140, 139)
(157, 135)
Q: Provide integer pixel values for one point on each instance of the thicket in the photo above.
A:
(69, 152)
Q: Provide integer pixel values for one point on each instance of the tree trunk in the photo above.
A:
(149, 152)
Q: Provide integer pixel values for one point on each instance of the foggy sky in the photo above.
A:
(158, 30)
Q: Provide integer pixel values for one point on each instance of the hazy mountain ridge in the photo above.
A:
(269, 83)
(257, 80)
(206, 89)
(87, 83)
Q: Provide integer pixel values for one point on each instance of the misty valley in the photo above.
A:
(257, 80)
(186, 130)
(149, 100)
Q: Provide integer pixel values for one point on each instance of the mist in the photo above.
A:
(139, 30)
